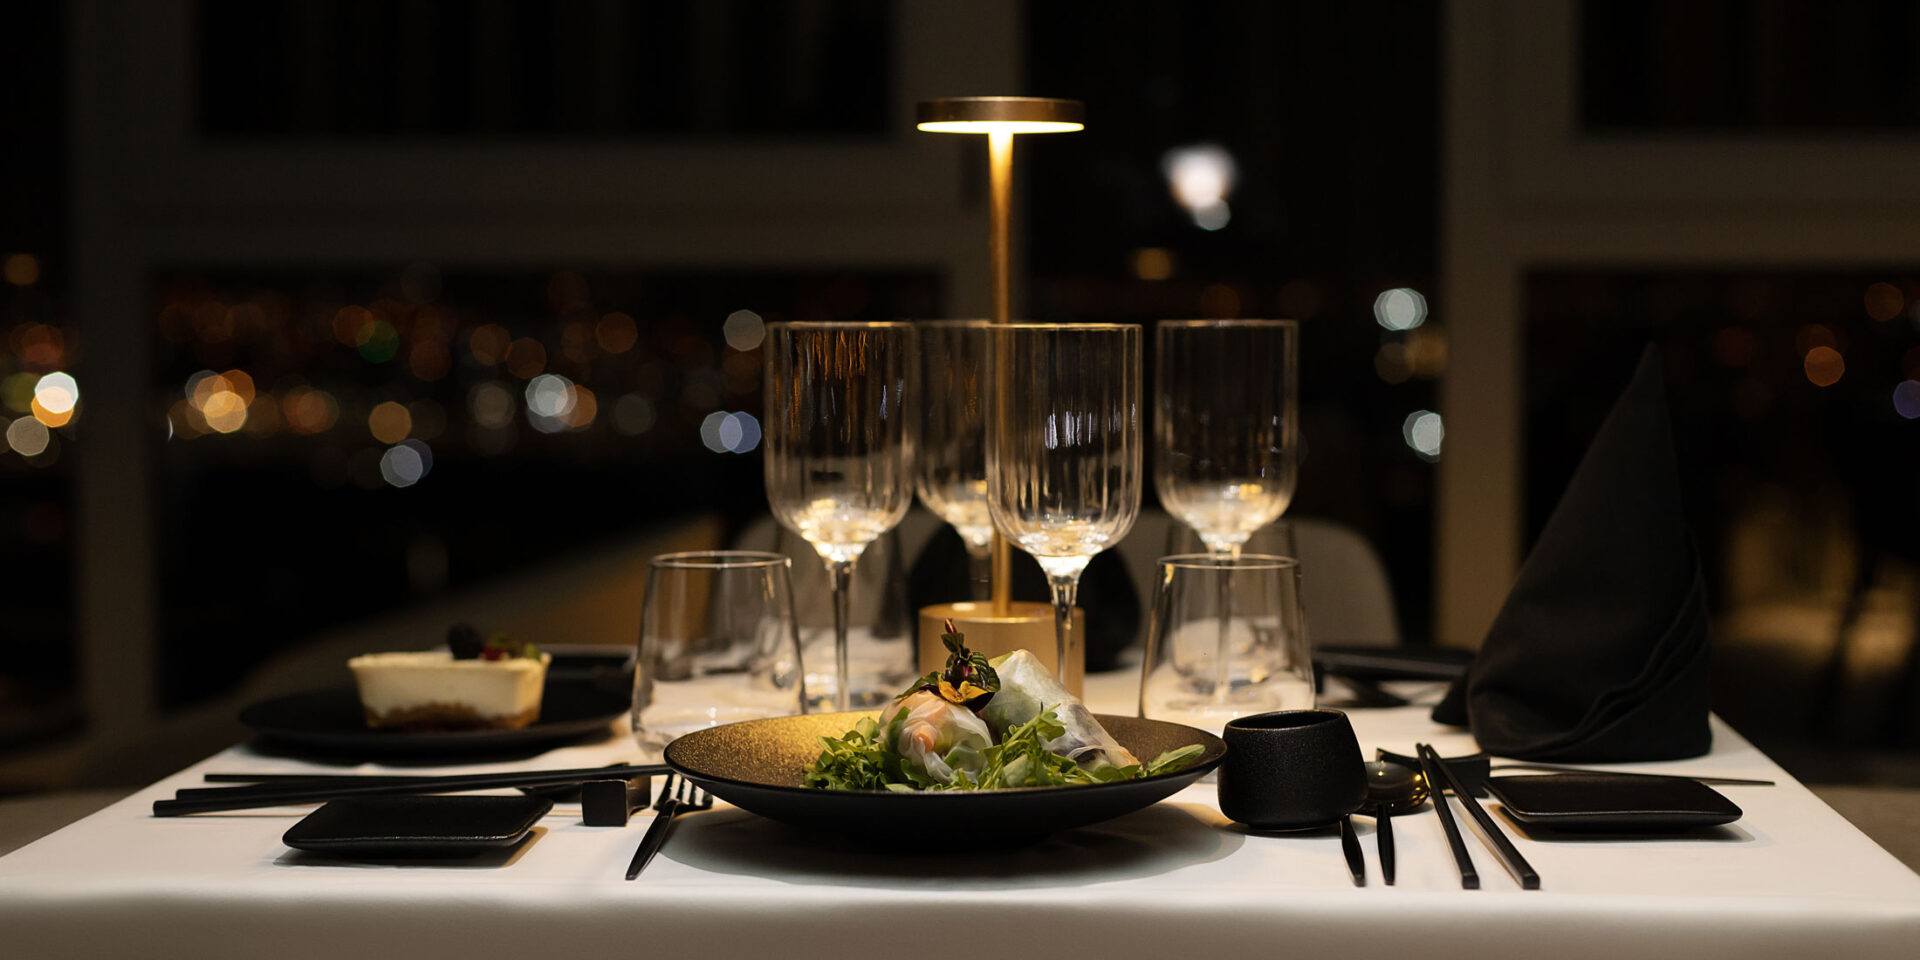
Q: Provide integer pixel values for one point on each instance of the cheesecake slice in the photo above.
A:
(433, 691)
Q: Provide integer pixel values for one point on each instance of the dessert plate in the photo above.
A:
(757, 765)
(331, 721)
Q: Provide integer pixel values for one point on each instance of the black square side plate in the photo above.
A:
(1618, 802)
(382, 827)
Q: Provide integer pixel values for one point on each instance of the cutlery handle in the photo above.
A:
(1350, 845)
(1383, 836)
(656, 836)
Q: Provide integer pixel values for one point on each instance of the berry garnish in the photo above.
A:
(464, 641)
(499, 647)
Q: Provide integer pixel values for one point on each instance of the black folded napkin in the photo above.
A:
(1600, 652)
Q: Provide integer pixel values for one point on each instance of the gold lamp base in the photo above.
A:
(1025, 626)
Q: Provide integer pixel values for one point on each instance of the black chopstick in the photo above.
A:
(286, 781)
(307, 777)
(1496, 838)
(282, 794)
(1469, 877)
(294, 781)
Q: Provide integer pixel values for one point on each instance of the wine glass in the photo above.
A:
(1225, 426)
(1225, 436)
(1063, 451)
(839, 449)
(950, 469)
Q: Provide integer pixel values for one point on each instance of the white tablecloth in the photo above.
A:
(1791, 879)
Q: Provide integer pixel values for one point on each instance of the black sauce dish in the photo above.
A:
(1291, 770)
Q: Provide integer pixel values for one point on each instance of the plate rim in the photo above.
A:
(421, 739)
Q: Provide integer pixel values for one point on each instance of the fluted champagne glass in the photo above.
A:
(950, 461)
(1225, 426)
(1063, 451)
(840, 438)
(1225, 437)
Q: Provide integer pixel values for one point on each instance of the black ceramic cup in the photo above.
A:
(1291, 770)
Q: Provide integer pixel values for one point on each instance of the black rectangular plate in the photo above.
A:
(1613, 802)
(396, 827)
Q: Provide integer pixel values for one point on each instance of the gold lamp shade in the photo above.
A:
(1001, 115)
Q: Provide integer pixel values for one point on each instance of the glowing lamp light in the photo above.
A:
(1008, 115)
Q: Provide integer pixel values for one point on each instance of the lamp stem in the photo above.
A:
(999, 249)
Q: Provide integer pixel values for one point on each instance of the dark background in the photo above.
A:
(1331, 112)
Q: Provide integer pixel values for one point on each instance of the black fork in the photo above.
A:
(671, 804)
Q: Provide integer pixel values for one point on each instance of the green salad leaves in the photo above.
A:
(861, 760)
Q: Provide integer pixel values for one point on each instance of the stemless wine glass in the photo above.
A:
(1225, 425)
(950, 462)
(1063, 451)
(839, 450)
(1189, 676)
(718, 644)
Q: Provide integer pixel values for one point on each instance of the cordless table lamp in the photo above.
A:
(1000, 626)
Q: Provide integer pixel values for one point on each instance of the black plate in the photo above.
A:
(332, 720)
(757, 765)
(1612, 802)
(380, 827)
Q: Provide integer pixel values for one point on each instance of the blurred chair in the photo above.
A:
(1344, 585)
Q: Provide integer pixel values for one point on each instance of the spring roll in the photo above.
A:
(1027, 689)
(936, 738)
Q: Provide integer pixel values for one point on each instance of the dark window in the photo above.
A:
(1734, 66)
(533, 69)
(1796, 410)
(1329, 112)
(344, 444)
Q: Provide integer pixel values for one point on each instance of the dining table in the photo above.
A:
(1789, 879)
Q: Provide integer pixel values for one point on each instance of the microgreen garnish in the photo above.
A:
(968, 680)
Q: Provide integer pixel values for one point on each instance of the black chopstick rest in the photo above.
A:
(610, 803)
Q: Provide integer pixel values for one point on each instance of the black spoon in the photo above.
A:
(1391, 789)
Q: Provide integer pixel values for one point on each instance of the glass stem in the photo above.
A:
(840, 581)
(979, 574)
(1065, 643)
(1223, 657)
